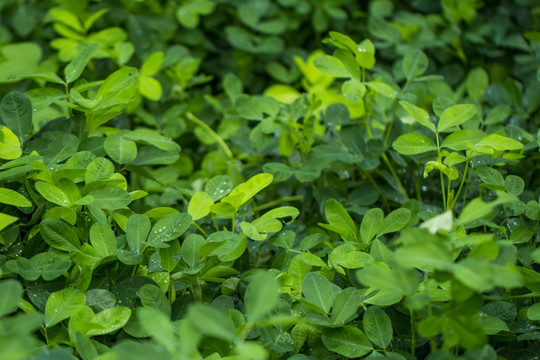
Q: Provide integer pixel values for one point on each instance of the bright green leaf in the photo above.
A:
(63, 304)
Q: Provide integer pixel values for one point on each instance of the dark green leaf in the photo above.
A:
(16, 113)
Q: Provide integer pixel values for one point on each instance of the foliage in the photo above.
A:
(303, 179)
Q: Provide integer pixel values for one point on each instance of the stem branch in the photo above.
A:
(212, 133)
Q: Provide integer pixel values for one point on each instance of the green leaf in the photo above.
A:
(245, 191)
(117, 89)
(377, 326)
(492, 178)
(251, 231)
(533, 312)
(463, 139)
(318, 291)
(331, 66)
(199, 205)
(353, 90)
(428, 254)
(24, 267)
(150, 88)
(365, 54)
(418, 114)
(477, 83)
(120, 149)
(345, 305)
(61, 148)
(395, 221)
(12, 292)
(248, 107)
(51, 265)
(41, 75)
(379, 276)
(137, 230)
(152, 64)
(158, 325)
(16, 113)
(281, 172)
(232, 248)
(110, 197)
(474, 273)
(75, 68)
(6, 220)
(412, 144)
(499, 143)
(211, 321)
(382, 89)
(348, 341)
(261, 295)
(62, 305)
(371, 224)
(339, 220)
(455, 116)
(169, 228)
(190, 249)
(10, 197)
(477, 208)
(269, 222)
(99, 169)
(492, 325)
(415, 63)
(514, 185)
(102, 239)
(218, 187)
(107, 321)
(343, 41)
(346, 256)
(152, 137)
(84, 346)
(59, 234)
(10, 147)
(168, 256)
(430, 326)
(152, 297)
(53, 194)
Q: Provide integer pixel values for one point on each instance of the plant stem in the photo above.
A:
(277, 202)
(439, 159)
(212, 133)
(413, 333)
(443, 191)
(465, 191)
(383, 197)
(448, 207)
(200, 229)
(68, 98)
(394, 175)
(417, 188)
(215, 222)
(46, 335)
(460, 185)
(388, 131)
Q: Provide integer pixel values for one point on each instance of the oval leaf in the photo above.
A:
(16, 112)
(455, 115)
(62, 304)
(412, 144)
(348, 341)
(377, 326)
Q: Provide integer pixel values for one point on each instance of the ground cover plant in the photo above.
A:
(256, 179)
